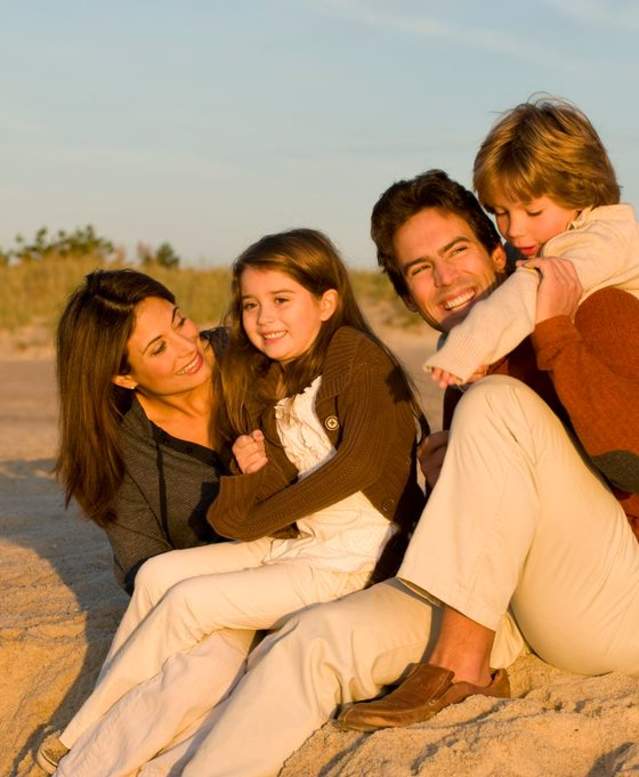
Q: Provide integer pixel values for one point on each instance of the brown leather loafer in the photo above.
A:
(426, 691)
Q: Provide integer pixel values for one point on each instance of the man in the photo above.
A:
(520, 541)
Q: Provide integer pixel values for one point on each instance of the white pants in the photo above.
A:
(181, 647)
(515, 517)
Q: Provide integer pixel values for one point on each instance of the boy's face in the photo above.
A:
(445, 267)
(529, 225)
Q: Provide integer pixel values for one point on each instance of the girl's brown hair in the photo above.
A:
(92, 337)
(310, 258)
(546, 147)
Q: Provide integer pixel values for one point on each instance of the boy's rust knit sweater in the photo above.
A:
(588, 372)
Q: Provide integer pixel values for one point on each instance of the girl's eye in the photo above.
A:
(248, 306)
(281, 300)
(533, 213)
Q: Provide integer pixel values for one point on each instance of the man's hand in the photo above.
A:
(250, 452)
(430, 453)
(559, 290)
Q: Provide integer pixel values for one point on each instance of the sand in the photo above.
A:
(60, 606)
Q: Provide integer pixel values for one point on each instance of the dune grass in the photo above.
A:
(35, 292)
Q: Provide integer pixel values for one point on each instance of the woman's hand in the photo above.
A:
(559, 290)
(250, 452)
(430, 453)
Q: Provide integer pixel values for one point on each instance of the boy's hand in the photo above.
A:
(250, 452)
(445, 379)
(559, 290)
(430, 453)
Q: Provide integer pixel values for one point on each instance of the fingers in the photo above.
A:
(250, 452)
(559, 291)
(444, 379)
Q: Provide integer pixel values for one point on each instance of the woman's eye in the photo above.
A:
(281, 300)
(158, 349)
(458, 250)
(533, 213)
(182, 321)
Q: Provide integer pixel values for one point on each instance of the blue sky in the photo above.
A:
(208, 124)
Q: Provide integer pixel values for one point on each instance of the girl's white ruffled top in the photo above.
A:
(349, 535)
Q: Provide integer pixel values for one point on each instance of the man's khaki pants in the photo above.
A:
(517, 518)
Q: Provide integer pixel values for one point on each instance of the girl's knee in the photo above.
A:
(156, 576)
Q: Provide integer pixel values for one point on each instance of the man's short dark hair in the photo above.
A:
(432, 189)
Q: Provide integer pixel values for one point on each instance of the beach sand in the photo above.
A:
(60, 607)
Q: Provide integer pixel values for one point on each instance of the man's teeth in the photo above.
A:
(273, 335)
(456, 302)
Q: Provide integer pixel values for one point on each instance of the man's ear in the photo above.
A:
(328, 303)
(499, 258)
(124, 381)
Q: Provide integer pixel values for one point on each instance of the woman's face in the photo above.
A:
(165, 352)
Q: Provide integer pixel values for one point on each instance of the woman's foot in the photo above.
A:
(50, 752)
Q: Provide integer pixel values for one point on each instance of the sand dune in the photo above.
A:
(60, 607)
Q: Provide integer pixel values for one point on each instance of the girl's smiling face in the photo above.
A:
(529, 225)
(280, 317)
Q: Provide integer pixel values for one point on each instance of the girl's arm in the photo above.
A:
(600, 254)
(371, 415)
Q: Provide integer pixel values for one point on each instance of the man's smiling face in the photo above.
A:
(445, 266)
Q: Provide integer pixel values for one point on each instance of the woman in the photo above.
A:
(138, 418)
(137, 400)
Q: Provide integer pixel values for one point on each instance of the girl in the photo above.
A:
(332, 465)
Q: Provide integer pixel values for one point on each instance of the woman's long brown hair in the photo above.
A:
(310, 258)
(92, 337)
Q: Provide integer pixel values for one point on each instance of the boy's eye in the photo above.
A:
(158, 349)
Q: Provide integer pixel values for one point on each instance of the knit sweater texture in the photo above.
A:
(603, 245)
(588, 372)
(364, 405)
(167, 487)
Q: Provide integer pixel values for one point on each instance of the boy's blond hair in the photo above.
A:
(546, 147)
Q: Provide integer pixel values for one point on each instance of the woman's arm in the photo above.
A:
(135, 534)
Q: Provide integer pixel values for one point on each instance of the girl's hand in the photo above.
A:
(430, 453)
(250, 452)
(444, 379)
(559, 290)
